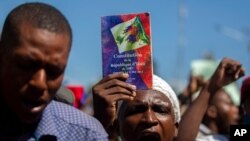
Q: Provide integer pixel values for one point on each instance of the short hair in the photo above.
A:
(39, 15)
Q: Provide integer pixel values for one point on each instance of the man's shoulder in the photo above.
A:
(71, 120)
(71, 115)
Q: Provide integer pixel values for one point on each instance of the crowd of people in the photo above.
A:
(34, 49)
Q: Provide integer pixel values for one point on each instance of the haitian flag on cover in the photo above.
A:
(126, 47)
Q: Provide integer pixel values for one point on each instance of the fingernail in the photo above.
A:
(131, 98)
(133, 87)
(134, 93)
(125, 74)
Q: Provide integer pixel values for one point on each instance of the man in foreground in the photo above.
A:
(34, 49)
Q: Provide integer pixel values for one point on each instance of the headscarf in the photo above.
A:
(162, 86)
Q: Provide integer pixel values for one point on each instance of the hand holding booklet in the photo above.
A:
(126, 47)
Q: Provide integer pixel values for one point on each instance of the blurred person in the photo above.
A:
(144, 115)
(245, 100)
(65, 95)
(78, 91)
(138, 117)
(195, 83)
(87, 104)
(34, 50)
(220, 114)
(212, 106)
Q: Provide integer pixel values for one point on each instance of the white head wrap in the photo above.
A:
(162, 86)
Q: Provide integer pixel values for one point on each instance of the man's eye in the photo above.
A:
(54, 72)
(27, 66)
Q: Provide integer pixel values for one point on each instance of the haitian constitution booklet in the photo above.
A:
(126, 47)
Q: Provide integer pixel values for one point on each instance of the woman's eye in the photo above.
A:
(161, 109)
(135, 110)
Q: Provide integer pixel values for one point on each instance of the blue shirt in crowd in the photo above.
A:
(61, 122)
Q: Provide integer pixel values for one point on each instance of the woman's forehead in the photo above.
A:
(146, 97)
(152, 96)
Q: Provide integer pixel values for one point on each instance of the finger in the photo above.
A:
(113, 86)
(118, 97)
(114, 98)
(101, 84)
(240, 72)
(120, 76)
(230, 61)
(232, 67)
(222, 68)
(116, 82)
(120, 90)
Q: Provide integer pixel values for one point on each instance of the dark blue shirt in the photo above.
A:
(62, 122)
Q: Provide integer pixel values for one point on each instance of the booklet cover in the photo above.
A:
(126, 47)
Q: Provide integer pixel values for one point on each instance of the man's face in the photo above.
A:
(227, 112)
(149, 117)
(32, 71)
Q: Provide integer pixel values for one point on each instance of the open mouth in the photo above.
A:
(149, 136)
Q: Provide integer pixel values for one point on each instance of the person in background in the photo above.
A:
(220, 114)
(213, 101)
(34, 50)
(195, 83)
(245, 100)
(136, 115)
(65, 95)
